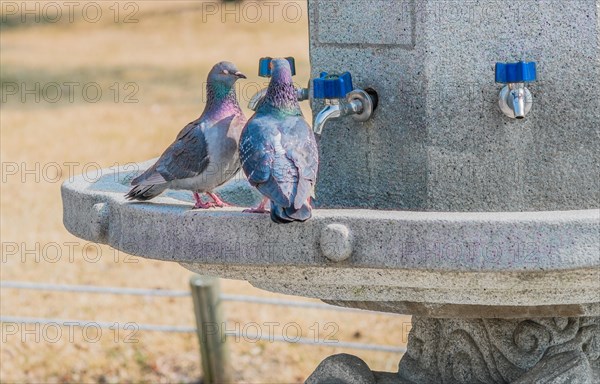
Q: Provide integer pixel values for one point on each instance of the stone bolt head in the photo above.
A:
(336, 242)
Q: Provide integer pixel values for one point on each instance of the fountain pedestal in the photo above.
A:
(523, 351)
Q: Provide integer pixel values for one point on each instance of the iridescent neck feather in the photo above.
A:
(281, 94)
(221, 99)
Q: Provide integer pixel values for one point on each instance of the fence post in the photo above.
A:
(209, 319)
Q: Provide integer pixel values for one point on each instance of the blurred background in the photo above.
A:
(94, 85)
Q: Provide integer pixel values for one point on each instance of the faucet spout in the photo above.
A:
(331, 111)
(517, 100)
(256, 99)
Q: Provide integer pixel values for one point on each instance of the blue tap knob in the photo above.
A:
(332, 86)
(519, 72)
(264, 66)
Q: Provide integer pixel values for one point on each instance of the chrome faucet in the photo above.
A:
(515, 99)
(341, 99)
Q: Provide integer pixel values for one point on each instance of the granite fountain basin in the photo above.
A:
(435, 264)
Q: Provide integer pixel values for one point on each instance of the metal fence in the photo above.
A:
(207, 299)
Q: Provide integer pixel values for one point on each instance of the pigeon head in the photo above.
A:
(220, 90)
(281, 93)
(225, 74)
(281, 71)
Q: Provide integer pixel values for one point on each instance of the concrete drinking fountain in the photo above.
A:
(483, 227)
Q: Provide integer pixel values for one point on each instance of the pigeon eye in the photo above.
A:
(225, 72)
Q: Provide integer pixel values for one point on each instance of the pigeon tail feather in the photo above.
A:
(283, 215)
(145, 192)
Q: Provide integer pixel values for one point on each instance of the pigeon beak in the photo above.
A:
(240, 75)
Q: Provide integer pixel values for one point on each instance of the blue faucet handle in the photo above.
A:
(264, 66)
(328, 86)
(519, 72)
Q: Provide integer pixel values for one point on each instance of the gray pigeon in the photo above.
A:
(278, 150)
(205, 153)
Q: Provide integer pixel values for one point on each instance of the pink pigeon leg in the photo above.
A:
(217, 200)
(200, 204)
(261, 207)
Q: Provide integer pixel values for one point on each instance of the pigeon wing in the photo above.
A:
(186, 157)
(301, 150)
(264, 160)
(256, 154)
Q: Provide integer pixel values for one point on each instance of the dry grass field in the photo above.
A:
(149, 60)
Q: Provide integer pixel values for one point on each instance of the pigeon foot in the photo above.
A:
(200, 204)
(261, 207)
(217, 201)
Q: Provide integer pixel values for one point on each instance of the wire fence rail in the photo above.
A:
(172, 293)
(207, 299)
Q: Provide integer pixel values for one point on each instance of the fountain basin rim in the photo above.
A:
(462, 258)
